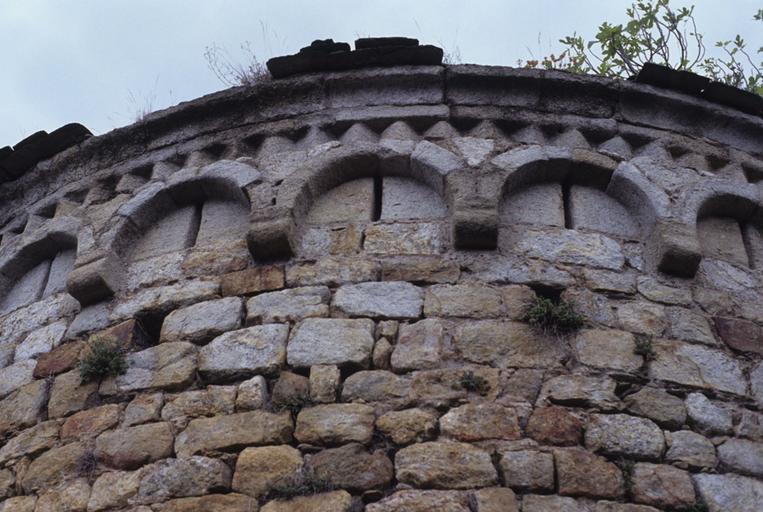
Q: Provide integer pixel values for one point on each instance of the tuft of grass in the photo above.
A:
(644, 347)
(232, 73)
(556, 318)
(103, 358)
(473, 382)
(86, 465)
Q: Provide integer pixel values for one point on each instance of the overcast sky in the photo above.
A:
(101, 62)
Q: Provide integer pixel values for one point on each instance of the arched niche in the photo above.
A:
(355, 188)
(197, 213)
(569, 194)
(38, 270)
(730, 228)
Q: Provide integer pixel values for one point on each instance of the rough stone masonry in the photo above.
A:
(320, 285)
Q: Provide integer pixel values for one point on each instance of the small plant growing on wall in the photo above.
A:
(103, 358)
(644, 347)
(553, 317)
(470, 381)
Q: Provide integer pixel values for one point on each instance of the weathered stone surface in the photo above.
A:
(462, 300)
(620, 434)
(113, 490)
(245, 352)
(581, 473)
(180, 478)
(579, 390)
(260, 470)
(555, 425)
(535, 503)
(90, 423)
(22, 408)
(756, 382)
(252, 394)
(68, 394)
(164, 298)
(742, 456)
(739, 334)
(352, 467)
(569, 246)
(291, 391)
(419, 269)
(706, 416)
(252, 280)
(685, 324)
(52, 467)
(495, 499)
(59, 360)
(212, 502)
(420, 238)
(350, 201)
(611, 506)
(642, 317)
(408, 426)
(166, 366)
(528, 470)
(608, 349)
(288, 305)
(41, 341)
(477, 422)
(201, 322)
(538, 204)
(235, 430)
(664, 409)
(750, 425)
(728, 492)
(331, 341)
(423, 501)
(16, 375)
(658, 292)
(204, 402)
(419, 346)
(332, 271)
(30, 441)
(380, 357)
(132, 447)
(324, 383)
(444, 465)
(512, 344)
(19, 504)
(405, 198)
(662, 486)
(334, 424)
(379, 299)
(694, 365)
(143, 408)
(375, 385)
(70, 497)
(336, 501)
(689, 449)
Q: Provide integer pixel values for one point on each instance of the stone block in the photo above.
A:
(166, 366)
(423, 501)
(478, 422)
(419, 346)
(375, 386)
(96, 280)
(59, 360)
(73, 496)
(408, 426)
(335, 501)
(528, 470)
(253, 428)
(253, 280)
(662, 486)
(30, 442)
(132, 447)
(739, 334)
(721, 237)
(289, 305)
(212, 401)
(40, 341)
(165, 298)
(540, 204)
(729, 492)
(174, 232)
(556, 426)
(462, 300)
(419, 238)
(404, 198)
(689, 449)
(706, 416)
(352, 467)
(594, 210)
(332, 272)
(569, 246)
(324, 383)
(420, 269)
(178, 478)
(60, 267)
(221, 221)
(331, 341)
(252, 394)
(674, 249)
(23, 407)
(349, 202)
(624, 435)
(16, 375)
(245, 352)
(218, 502)
(113, 490)
(69, 394)
(610, 349)
(143, 408)
(335, 424)
(52, 467)
(580, 390)
(444, 465)
(203, 321)
(264, 469)
(89, 423)
(27, 289)
(742, 456)
(581, 473)
(664, 409)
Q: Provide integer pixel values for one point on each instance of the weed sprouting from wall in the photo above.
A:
(103, 358)
(552, 317)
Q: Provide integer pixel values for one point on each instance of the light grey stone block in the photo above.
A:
(540, 204)
(349, 202)
(41, 341)
(16, 375)
(390, 299)
(60, 267)
(721, 237)
(592, 209)
(200, 322)
(222, 220)
(724, 493)
(331, 341)
(404, 198)
(289, 305)
(245, 352)
(174, 232)
(27, 289)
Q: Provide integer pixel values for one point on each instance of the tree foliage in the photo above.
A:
(656, 32)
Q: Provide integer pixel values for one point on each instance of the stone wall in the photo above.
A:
(320, 284)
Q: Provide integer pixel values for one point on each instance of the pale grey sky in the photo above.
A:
(99, 62)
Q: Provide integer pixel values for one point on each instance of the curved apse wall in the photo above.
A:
(319, 283)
